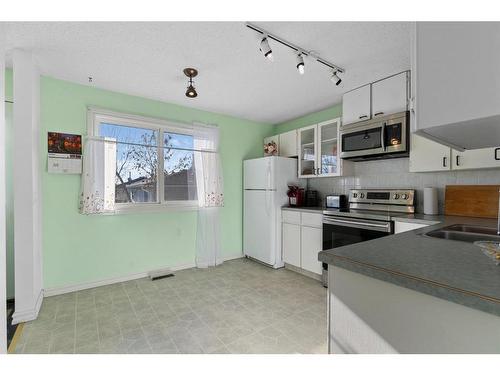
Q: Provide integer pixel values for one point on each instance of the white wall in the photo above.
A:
(27, 187)
(3, 239)
(395, 174)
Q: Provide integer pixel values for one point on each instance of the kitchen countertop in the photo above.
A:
(452, 270)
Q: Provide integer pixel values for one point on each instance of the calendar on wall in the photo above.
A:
(64, 153)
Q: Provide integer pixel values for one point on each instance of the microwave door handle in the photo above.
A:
(382, 136)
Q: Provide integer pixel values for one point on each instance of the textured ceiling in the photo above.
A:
(147, 59)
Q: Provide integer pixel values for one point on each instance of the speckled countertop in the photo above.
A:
(452, 270)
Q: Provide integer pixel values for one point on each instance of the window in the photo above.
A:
(154, 160)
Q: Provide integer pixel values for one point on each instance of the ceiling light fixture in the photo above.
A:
(191, 73)
(335, 78)
(300, 63)
(266, 49)
(301, 52)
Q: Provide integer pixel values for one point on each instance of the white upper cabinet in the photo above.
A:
(308, 165)
(475, 159)
(328, 148)
(427, 155)
(390, 95)
(456, 77)
(288, 144)
(319, 147)
(381, 98)
(356, 105)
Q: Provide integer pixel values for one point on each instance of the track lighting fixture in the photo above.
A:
(300, 63)
(191, 91)
(299, 51)
(335, 78)
(266, 49)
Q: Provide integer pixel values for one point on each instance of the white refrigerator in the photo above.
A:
(265, 184)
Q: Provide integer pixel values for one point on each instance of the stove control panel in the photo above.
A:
(404, 197)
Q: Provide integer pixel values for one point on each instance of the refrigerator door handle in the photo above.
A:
(268, 187)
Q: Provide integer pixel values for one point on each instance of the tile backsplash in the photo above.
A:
(393, 173)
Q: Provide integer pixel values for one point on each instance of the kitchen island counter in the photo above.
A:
(456, 271)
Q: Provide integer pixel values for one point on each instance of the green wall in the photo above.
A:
(312, 118)
(9, 206)
(79, 248)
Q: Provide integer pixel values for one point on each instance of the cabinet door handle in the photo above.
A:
(444, 161)
(497, 153)
(458, 160)
(363, 116)
(378, 113)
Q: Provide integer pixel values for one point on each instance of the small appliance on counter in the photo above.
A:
(295, 196)
(311, 198)
(338, 201)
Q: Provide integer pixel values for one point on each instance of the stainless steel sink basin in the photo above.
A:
(466, 233)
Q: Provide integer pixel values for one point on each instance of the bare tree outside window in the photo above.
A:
(137, 164)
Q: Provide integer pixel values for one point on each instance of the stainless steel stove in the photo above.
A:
(368, 217)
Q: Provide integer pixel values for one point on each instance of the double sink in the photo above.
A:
(465, 233)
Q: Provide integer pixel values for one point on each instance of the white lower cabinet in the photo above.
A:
(310, 246)
(302, 240)
(291, 244)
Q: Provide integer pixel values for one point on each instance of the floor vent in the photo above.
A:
(160, 274)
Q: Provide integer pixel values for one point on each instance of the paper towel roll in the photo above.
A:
(430, 201)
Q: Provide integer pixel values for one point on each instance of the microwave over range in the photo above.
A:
(378, 138)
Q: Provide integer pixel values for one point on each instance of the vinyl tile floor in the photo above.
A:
(238, 307)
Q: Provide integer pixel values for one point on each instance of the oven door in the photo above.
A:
(341, 231)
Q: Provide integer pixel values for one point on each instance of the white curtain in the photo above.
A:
(98, 177)
(210, 195)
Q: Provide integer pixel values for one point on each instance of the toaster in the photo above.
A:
(336, 201)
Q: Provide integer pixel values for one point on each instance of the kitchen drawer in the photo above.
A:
(312, 220)
(292, 217)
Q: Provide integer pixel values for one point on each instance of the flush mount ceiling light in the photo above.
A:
(266, 49)
(300, 63)
(335, 78)
(191, 73)
(301, 52)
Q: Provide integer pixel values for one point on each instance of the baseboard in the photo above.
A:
(303, 272)
(30, 314)
(120, 279)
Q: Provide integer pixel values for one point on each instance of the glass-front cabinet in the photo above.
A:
(308, 166)
(319, 150)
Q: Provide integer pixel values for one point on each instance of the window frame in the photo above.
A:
(96, 115)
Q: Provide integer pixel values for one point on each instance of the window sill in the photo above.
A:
(154, 207)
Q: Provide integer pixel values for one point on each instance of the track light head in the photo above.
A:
(335, 78)
(300, 63)
(266, 49)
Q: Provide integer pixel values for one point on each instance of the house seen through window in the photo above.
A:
(153, 165)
